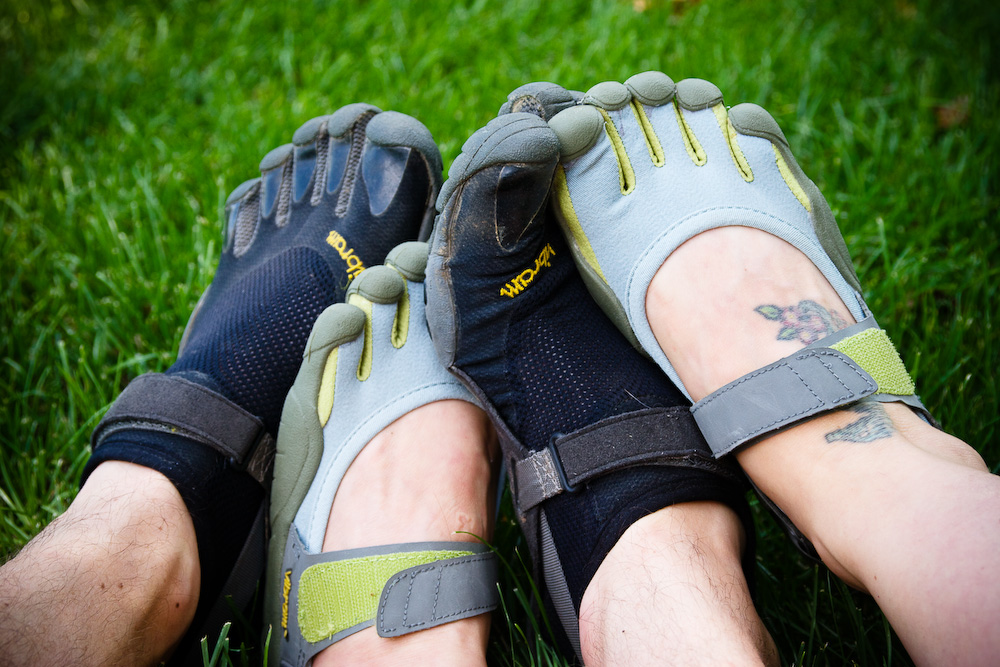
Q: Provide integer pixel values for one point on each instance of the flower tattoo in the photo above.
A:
(806, 322)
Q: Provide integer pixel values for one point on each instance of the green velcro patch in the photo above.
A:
(874, 352)
(338, 595)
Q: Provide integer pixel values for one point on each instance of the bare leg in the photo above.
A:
(113, 581)
(426, 477)
(118, 572)
(672, 592)
(893, 506)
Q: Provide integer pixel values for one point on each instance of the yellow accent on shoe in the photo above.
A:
(652, 141)
(354, 263)
(726, 125)
(324, 403)
(365, 364)
(874, 352)
(338, 595)
(569, 219)
(790, 180)
(401, 323)
(691, 143)
(626, 177)
(286, 589)
(520, 282)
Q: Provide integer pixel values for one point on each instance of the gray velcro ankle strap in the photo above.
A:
(428, 595)
(653, 436)
(167, 403)
(812, 381)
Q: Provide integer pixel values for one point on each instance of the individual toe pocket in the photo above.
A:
(276, 184)
(337, 325)
(378, 285)
(346, 128)
(310, 157)
(392, 138)
(242, 215)
(541, 98)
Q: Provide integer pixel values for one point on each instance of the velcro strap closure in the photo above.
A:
(399, 588)
(853, 363)
(428, 595)
(158, 402)
(872, 350)
(648, 436)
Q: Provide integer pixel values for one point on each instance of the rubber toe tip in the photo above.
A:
(309, 130)
(516, 137)
(410, 259)
(338, 324)
(609, 95)
(651, 88)
(343, 119)
(577, 129)
(276, 157)
(541, 98)
(379, 284)
(241, 190)
(391, 128)
(697, 94)
(749, 118)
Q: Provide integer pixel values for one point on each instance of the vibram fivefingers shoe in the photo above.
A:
(368, 363)
(349, 188)
(647, 165)
(594, 435)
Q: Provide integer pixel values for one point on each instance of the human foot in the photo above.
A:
(350, 187)
(594, 436)
(379, 445)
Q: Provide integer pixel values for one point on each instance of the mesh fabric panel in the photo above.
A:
(251, 343)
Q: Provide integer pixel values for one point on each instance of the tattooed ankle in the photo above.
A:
(873, 424)
(806, 322)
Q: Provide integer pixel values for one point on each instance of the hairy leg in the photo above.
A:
(893, 506)
(672, 592)
(113, 581)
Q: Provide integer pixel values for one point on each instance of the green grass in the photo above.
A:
(123, 128)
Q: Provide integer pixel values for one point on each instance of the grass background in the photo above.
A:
(124, 126)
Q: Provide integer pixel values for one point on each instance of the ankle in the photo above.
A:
(121, 563)
(724, 328)
(458, 644)
(674, 585)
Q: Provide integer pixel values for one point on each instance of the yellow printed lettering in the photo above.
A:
(286, 589)
(354, 263)
(520, 282)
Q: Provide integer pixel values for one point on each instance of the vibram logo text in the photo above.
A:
(286, 588)
(523, 279)
(354, 263)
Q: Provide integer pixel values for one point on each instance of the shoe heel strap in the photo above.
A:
(651, 436)
(168, 403)
(398, 588)
(852, 364)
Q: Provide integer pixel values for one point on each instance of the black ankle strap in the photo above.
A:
(652, 436)
(167, 403)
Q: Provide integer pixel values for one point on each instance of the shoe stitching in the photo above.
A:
(353, 162)
(409, 592)
(323, 140)
(284, 195)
